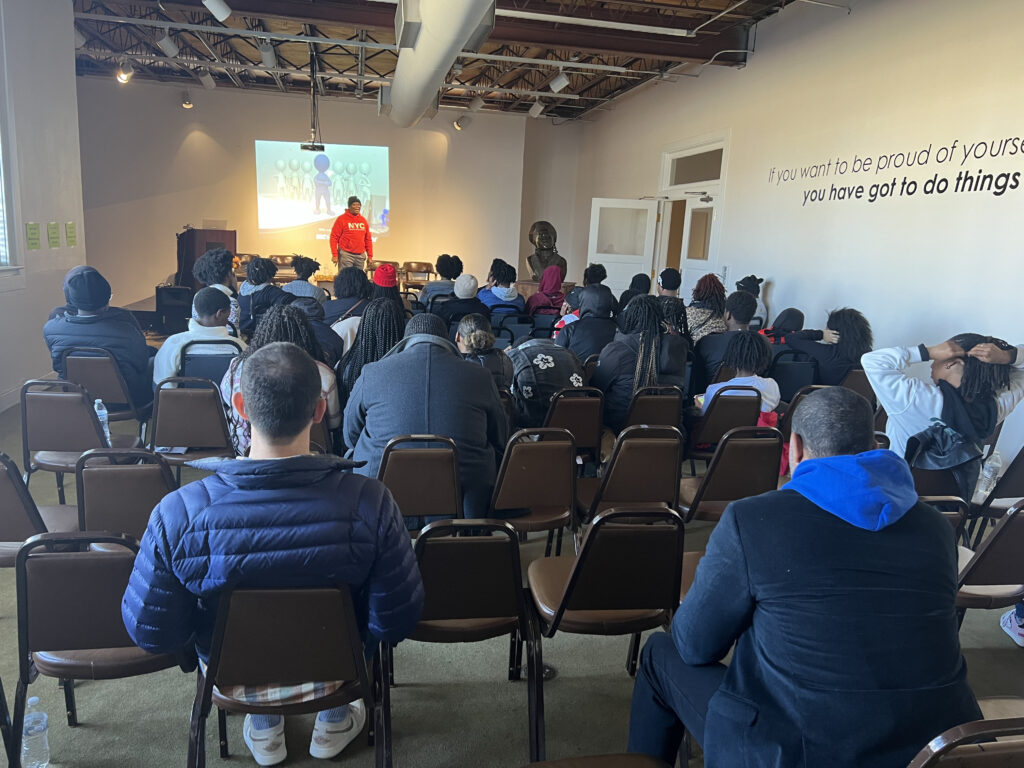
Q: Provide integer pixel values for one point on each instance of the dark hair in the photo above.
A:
(641, 282)
(304, 267)
(425, 322)
(379, 330)
(835, 421)
(748, 351)
(214, 266)
(390, 293)
(980, 379)
(673, 312)
(503, 272)
(643, 316)
(309, 306)
(209, 301)
(742, 306)
(594, 274)
(787, 321)
(710, 292)
(280, 387)
(854, 333)
(351, 283)
(476, 332)
(353, 199)
(283, 322)
(260, 271)
(448, 267)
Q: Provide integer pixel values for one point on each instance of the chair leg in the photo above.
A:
(685, 750)
(17, 723)
(961, 613)
(391, 665)
(535, 680)
(633, 654)
(177, 474)
(5, 725)
(197, 736)
(222, 732)
(693, 468)
(69, 702)
(551, 539)
(515, 652)
(383, 737)
(558, 546)
(982, 527)
(60, 488)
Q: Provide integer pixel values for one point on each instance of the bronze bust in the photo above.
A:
(543, 238)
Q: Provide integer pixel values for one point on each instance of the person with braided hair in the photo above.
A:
(380, 328)
(707, 309)
(749, 354)
(640, 355)
(281, 322)
(305, 268)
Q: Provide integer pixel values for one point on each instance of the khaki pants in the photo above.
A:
(346, 259)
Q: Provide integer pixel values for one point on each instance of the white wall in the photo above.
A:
(38, 73)
(150, 167)
(894, 75)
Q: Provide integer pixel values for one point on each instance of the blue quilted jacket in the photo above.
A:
(300, 521)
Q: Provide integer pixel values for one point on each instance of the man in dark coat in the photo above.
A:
(839, 592)
(279, 518)
(595, 328)
(88, 320)
(424, 386)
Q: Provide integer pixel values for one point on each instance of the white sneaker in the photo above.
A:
(330, 738)
(1010, 626)
(267, 745)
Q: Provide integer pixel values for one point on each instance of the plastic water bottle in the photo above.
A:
(101, 414)
(35, 748)
(991, 471)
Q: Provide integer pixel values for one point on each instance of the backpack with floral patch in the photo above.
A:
(540, 369)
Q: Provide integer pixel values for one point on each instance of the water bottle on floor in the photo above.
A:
(101, 414)
(35, 749)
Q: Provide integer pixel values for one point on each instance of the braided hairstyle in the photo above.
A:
(380, 329)
(283, 322)
(304, 267)
(260, 271)
(643, 316)
(476, 332)
(748, 352)
(981, 380)
(710, 293)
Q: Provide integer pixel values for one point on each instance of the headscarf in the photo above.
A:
(549, 293)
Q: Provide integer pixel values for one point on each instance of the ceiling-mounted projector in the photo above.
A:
(312, 147)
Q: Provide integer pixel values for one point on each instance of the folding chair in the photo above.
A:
(188, 413)
(657, 406)
(314, 638)
(955, 748)
(117, 490)
(786, 422)
(511, 317)
(792, 375)
(423, 269)
(857, 381)
(544, 325)
(589, 366)
(503, 338)
(96, 370)
(1009, 486)
(204, 365)
(580, 411)
(724, 373)
(20, 518)
(58, 424)
(424, 481)
(733, 406)
(994, 576)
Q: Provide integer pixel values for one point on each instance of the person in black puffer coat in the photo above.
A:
(258, 293)
(595, 328)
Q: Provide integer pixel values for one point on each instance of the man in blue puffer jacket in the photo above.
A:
(280, 517)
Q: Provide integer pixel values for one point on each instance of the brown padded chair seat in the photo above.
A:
(690, 561)
(59, 518)
(586, 490)
(65, 461)
(710, 511)
(193, 455)
(541, 519)
(548, 577)
(101, 664)
(604, 761)
(1000, 754)
(462, 630)
(989, 596)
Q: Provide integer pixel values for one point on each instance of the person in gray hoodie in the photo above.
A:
(500, 294)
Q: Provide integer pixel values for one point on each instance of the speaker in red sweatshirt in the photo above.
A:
(351, 232)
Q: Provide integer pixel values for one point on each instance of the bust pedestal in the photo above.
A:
(530, 287)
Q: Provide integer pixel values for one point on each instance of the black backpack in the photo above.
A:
(540, 368)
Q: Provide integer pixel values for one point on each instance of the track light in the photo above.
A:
(476, 104)
(268, 55)
(207, 80)
(559, 82)
(79, 39)
(168, 46)
(218, 8)
(124, 72)
(186, 101)
(537, 109)
(462, 123)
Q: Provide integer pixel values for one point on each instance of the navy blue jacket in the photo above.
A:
(253, 306)
(847, 651)
(115, 330)
(300, 521)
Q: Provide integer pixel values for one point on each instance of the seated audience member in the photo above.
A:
(595, 274)
(425, 387)
(640, 285)
(570, 311)
(211, 309)
(475, 340)
(749, 356)
(668, 283)
(305, 268)
(449, 268)
(787, 321)
(331, 343)
(280, 323)
(280, 518)
(847, 336)
(540, 368)
(710, 350)
(595, 329)
(501, 290)
(351, 292)
(466, 301)
(840, 593)
(673, 313)
(706, 312)
(752, 285)
(385, 286)
(216, 269)
(88, 320)
(549, 297)
(261, 293)
(380, 328)
(641, 355)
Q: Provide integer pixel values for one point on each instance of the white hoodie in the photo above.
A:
(911, 403)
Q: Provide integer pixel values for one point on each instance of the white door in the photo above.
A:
(622, 238)
(697, 258)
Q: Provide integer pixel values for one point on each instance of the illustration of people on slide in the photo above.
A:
(364, 190)
(322, 183)
(281, 179)
(294, 179)
(307, 181)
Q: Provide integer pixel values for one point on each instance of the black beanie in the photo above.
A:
(85, 288)
(427, 323)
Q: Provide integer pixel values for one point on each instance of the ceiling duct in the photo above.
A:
(443, 33)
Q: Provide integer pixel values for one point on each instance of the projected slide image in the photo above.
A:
(296, 188)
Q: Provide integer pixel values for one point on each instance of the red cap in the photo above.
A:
(385, 276)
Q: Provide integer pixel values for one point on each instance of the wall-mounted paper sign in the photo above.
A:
(53, 234)
(71, 234)
(32, 236)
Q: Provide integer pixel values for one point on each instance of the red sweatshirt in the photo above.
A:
(352, 234)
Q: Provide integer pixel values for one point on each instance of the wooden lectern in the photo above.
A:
(193, 243)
